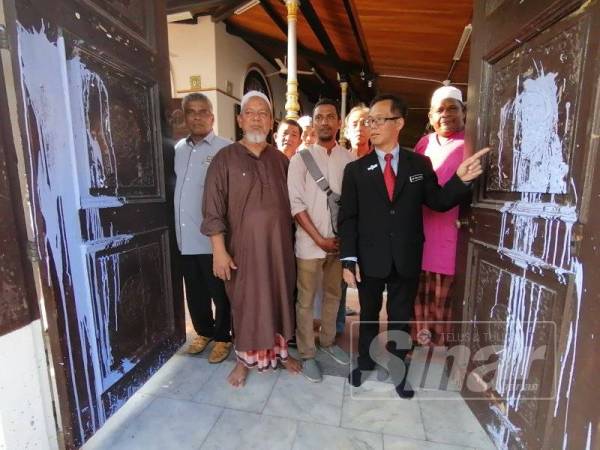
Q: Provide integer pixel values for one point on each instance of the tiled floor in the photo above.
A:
(188, 404)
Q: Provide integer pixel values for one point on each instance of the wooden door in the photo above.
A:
(91, 74)
(18, 306)
(531, 278)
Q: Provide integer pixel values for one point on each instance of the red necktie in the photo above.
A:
(389, 176)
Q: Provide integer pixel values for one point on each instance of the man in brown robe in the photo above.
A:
(246, 213)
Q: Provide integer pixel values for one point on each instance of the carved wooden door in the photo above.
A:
(91, 76)
(531, 272)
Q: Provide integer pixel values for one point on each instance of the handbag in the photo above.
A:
(333, 199)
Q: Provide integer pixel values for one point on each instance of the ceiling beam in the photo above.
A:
(310, 95)
(308, 54)
(275, 17)
(174, 6)
(313, 20)
(302, 50)
(226, 10)
(358, 34)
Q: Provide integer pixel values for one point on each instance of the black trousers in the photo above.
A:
(201, 286)
(401, 292)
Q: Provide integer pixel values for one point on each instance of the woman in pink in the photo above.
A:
(445, 148)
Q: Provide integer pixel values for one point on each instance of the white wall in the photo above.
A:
(26, 419)
(206, 49)
(192, 52)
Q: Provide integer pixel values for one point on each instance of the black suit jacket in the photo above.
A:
(379, 231)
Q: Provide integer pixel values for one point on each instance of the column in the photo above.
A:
(344, 88)
(292, 107)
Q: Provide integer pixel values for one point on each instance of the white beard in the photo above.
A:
(254, 137)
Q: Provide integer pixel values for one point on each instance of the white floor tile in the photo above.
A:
(116, 425)
(402, 443)
(312, 436)
(168, 424)
(243, 430)
(376, 407)
(451, 421)
(297, 398)
(180, 378)
(252, 397)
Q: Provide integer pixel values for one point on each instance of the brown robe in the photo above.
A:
(246, 199)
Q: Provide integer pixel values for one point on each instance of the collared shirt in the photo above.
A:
(306, 195)
(381, 158)
(191, 163)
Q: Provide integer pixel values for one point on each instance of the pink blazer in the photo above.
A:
(441, 234)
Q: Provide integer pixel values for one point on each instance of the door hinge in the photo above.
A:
(3, 37)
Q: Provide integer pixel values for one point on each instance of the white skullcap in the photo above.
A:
(250, 94)
(305, 121)
(445, 92)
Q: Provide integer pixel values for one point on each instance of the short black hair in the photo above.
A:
(291, 122)
(399, 107)
(327, 101)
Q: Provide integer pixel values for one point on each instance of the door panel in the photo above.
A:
(92, 75)
(532, 87)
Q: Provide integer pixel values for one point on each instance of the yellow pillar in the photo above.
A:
(344, 88)
(292, 107)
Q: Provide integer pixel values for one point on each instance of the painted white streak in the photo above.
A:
(538, 162)
(525, 218)
(501, 429)
(516, 357)
(541, 235)
(47, 84)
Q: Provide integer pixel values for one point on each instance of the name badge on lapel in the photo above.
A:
(415, 178)
(207, 161)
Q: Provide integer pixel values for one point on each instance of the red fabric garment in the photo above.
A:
(389, 176)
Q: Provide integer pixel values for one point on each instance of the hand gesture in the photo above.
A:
(471, 167)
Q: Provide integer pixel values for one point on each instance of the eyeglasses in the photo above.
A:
(370, 121)
(262, 114)
(200, 112)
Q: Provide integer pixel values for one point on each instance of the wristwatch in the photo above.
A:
(350, 265)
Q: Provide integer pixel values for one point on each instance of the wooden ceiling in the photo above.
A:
(363, 41)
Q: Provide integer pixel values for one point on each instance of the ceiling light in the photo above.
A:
(462, 43)
(246, 6)
(176, 17)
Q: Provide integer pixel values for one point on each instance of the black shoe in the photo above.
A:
(405, 390)
(292, 342)
(355, 377)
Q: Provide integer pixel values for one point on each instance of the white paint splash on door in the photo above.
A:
(46, 90)
(536, 235)
(538, 162)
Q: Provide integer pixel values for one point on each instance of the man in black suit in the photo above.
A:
(381, 229)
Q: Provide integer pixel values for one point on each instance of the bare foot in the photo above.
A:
(292, 365)
(237, 377)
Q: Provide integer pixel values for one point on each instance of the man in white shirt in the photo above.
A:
(192, 158)
(316, 246)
